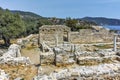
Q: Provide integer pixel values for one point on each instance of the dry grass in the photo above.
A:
(25, 72)
(107, 46)
(33, 54)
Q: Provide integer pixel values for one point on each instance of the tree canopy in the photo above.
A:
(76, 24)
(11, 25)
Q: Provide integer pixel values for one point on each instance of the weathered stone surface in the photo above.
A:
(45, 48)
(89, 35)
(54, 34)
(75, 74)
(19, 78)
(96, 60)
(47, 33)
(13, 56)
(101, 71)
(3, 75)
(2, 51)
(99, 53)
(13, 51)
(107, 52)
(31, 39)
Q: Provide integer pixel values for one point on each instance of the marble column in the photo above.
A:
(115, 46)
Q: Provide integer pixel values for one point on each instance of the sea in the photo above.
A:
(112, 27)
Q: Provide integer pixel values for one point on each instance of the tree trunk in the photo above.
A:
(55, 55)
(6, 40)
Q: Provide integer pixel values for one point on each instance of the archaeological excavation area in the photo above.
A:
(57, 53)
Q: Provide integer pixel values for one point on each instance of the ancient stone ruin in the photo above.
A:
(59, 46)
(92, 35)
(54, 34)
(58, 34)
(13, 56)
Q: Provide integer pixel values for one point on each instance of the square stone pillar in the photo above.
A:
(114, 42)
(68, 35)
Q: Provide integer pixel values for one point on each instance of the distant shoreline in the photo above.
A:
(112, 27)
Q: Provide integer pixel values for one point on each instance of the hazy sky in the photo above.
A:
(66, 8)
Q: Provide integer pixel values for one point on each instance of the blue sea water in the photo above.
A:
(112, 27)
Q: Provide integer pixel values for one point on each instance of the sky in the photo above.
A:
(66, 8)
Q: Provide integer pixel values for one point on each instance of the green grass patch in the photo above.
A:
(107, 46)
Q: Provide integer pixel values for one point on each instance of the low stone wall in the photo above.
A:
(47, 58)
(88, 36)
(13, 56)
(103, 71)
(61, 58)
(95, 60)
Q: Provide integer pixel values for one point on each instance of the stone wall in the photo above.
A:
(13, 56)
(51, 37)
(89, 35)
(52, 33)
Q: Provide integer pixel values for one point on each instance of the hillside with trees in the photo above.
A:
(76, 24)
(26, 14)
(102, 20)
(15, 24)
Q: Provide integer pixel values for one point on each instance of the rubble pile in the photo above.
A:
(31, 39)
(13, 56)
(102, 71)
(95, 58)
(3, 75)
(102, 64)
(100, 53)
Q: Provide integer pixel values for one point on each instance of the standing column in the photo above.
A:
(75, 56)
(56, 39)
(115, 46)
(68, 35)
(39, 37)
